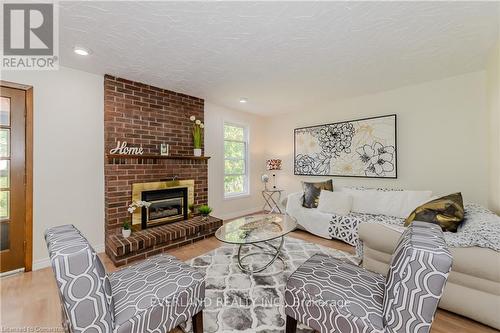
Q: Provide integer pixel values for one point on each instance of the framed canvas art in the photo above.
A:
(358, 148)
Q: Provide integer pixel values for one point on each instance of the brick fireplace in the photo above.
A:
(146, 116)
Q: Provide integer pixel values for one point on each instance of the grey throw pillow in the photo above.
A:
(310, 199)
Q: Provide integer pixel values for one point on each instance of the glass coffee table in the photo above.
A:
(257, 231)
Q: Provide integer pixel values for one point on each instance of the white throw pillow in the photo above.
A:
(390, 203)
(338, 203)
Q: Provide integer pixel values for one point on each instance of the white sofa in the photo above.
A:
(311, 220)
(473, 289)
(364, 201)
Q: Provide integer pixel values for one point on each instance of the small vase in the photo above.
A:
(197, 152)
(126, 232)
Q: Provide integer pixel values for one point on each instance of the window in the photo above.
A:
(235, 160)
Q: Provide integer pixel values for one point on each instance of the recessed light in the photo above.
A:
(81, 51)
(243, 100)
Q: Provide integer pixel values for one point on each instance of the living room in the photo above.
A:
(255, 153)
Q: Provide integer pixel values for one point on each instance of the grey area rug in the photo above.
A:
(240, 302)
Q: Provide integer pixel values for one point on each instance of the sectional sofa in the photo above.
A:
(376, 222)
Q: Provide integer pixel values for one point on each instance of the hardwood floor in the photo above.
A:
(31, 299)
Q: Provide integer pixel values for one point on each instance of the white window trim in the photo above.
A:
(246, 131)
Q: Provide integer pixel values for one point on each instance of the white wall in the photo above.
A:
(215, 116)
(493, 95)
(442, 135)
(68, 161)
(493, 76)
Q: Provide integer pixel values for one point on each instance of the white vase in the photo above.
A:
(126, 232)
(197, 152)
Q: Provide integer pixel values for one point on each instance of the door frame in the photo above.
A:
(28, 187)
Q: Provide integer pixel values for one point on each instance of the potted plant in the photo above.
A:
(127, 227)
(192, 209)
(205, 211)
(198, 127)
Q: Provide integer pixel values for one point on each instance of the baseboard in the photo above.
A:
(240, 213)
(45, 262)
(41, 263)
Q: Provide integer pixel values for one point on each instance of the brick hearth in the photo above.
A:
(144, 243)
(146, 116)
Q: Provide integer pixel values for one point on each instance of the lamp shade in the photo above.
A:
(273, 164)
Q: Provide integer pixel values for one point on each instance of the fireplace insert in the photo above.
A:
(167, 205)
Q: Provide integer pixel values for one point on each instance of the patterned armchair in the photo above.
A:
(155, 295)
(329, 295)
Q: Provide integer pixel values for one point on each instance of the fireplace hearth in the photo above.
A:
(167, 205)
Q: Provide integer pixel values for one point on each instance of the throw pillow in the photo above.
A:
(312, 191)
(337, 203)
(447, 212)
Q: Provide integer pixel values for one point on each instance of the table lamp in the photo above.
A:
(273, 165)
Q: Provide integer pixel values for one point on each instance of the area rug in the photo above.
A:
(254, 303)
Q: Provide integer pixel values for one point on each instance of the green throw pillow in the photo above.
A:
(312, 191)
(447, 211)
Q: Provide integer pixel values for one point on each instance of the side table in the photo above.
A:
(272, 199)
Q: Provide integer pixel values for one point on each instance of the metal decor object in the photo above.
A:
(257, 231)
(274, 254)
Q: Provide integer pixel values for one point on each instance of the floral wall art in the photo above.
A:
(358, 148)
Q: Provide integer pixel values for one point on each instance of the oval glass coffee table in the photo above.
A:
(257, 231)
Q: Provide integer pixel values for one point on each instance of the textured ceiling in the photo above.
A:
(282, 56)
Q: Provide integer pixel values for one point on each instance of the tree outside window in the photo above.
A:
(235, 160)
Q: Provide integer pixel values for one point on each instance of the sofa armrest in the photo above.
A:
(378, 237)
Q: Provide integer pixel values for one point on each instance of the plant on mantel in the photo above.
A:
(198, 127)
(127, 225)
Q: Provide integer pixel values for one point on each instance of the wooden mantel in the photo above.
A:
(157, 157)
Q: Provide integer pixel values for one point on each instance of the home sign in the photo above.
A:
(122, 149)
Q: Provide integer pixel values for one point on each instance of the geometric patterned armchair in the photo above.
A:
(155, 295)
(330, 295)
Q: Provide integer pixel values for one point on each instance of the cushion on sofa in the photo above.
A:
(312, 191)
(447, 212)
(338, 203)
(386, 202)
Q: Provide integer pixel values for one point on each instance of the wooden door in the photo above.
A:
(12, 178)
